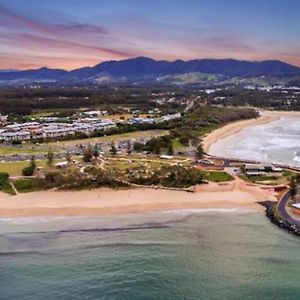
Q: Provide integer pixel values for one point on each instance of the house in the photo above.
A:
(15, 136)
(104, 125)
(268, 170)
(140, 121)
(171, 117)
(94, 113)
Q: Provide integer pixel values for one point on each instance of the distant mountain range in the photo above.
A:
(142, 70)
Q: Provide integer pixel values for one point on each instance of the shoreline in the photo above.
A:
(237, 194)
(103, 202)
(235, 127)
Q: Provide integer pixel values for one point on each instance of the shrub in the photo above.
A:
(3, 178)
(30, 185)
(28, 171)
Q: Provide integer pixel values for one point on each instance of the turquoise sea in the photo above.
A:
(208, 254)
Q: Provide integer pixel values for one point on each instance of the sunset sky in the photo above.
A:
(73, 33)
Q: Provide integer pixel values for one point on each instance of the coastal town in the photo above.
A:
(149, 150)
(134, 169)
(87, 123)
(137, 147)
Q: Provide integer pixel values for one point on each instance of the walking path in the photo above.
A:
(14, 188)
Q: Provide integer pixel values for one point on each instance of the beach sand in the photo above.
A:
(235, 127)
(236, 194)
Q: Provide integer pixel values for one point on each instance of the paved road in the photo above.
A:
(283, 210)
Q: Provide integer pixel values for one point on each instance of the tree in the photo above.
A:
(293, 187)
(157, 149)
(87, 154)
(50, 158)
(113, 149)
(68, 157)
(199, 152)
(129, 150)
(96, 152)
(298, 178)
(29, 171)
(3, 178)
(33, 163)
(170, 149)
(138, 147)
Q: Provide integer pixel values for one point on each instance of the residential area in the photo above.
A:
(87, 123)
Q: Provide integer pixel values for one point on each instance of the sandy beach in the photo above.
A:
(236, 194)
(234, 128)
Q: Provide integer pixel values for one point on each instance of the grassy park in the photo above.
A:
(111, 138)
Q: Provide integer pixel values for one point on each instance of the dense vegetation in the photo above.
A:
(71, 181)
(193, 126)
(169, 176)
(273, 99)
(25, 101)
(5, 185)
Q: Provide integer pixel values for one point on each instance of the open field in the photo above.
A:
(22, 149)
(217, 176)
(59, 145)
(152, 162)
(178, 147)
(111, 138)
(49, 112)
(15, 168)
(117, 117)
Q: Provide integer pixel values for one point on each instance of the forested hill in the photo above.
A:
(142, 69)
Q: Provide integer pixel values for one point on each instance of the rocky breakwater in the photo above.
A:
(276, 219)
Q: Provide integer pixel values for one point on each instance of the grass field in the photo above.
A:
(217, 176)
(123, 165)
(111, 138)
(178, 147)
(59, 145)
(15, 168)
(117, 117)
(23, 149)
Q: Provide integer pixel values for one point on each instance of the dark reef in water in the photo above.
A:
(277, 220)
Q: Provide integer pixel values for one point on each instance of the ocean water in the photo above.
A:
(277, 142)
(195, 254)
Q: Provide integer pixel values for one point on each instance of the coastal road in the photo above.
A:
(281, 206)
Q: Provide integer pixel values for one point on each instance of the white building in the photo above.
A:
(15, 136)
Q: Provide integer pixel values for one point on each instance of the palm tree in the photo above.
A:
(50, 158)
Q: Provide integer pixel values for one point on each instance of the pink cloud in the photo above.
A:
(10, 19)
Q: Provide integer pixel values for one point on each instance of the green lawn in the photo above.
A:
(178, 147)
(111, 138)
(24, 149)
(15, 168)
(217, 176)
(123, 165)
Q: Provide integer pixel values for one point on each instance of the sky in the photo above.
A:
(68, 34)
